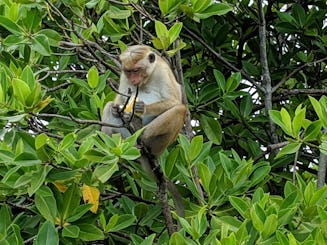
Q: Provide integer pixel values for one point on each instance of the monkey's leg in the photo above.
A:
(164, 129)
(109, 117)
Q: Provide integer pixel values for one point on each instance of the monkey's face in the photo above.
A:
(138, 63)
(135, 75)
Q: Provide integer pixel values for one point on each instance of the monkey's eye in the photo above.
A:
(137, 70)
(152, 58)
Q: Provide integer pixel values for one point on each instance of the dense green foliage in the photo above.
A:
(255, 82)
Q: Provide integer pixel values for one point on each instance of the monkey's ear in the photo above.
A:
(152, 57)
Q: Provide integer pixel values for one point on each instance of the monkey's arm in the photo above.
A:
(159, 107)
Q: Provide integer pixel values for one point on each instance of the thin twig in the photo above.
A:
(223, 60)
(77, 120)
(294, 166)
(296, 71)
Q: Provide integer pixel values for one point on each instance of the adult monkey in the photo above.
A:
(157, 100)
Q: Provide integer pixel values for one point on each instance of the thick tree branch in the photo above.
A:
(266, 79)
(321, 178)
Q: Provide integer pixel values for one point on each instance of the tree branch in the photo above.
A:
(77, 120)
(296, 71)
(266, 79)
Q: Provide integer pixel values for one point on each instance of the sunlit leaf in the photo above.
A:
(91, 195)
(289, 149)
(10, 25)
(93, 77)
(40, 43)
(46, 203)
(71, 231)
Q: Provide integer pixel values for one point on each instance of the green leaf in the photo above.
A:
(149, 240)
(285, 27)
(260, 173)
(33, 20)
(246, 105)
(214, 9)
(256, 221)
(28, 77)
(317, 107)
(2, 95)
(226, 163)
(121, 222)
(184, 142)
(93, 77)
(105, 171)
(71, 200)
(15, 237)
(312, 131)
(13, 40)
(67, 142)
(53, 36)
(282, 238)
(13, 119)
(70, 231)
(233, 81)
(132, 153)
(40, 44)
(270, 225)
(285, 17)
(38, 178)
(200, 5)
(5, 219)
(195, 147)
(47, 235)
(205, 176)
(298, 120)
(299, 14)
(220, 79)
(212, 129)
(21, 90)
(41, 140)
(46, 203)
(117, 13)
(27, 159)
(79, 212)
(240, 205)
(178, 239)
(174, 31)
(10, 25)
(89, 232)
(289, 149)
(162, 34)
(286, 119)
(167, 5)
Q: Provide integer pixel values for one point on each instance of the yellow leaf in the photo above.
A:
(60, 186)
(57, 221)
(129, 106)
(91, 195)
(43, 104)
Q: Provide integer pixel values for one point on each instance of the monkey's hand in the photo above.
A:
(127, 116)
(139, 107)
(115, 109)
